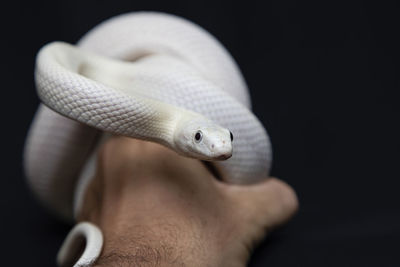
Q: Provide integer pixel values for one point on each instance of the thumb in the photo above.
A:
(264, 205)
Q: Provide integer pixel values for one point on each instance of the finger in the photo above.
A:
(266, 204)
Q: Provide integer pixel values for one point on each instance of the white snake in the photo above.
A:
(144, 75)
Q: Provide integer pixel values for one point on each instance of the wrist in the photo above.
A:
(161, 244)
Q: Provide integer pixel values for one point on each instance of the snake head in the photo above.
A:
(203, 139)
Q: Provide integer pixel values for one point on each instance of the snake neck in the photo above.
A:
(146, 118)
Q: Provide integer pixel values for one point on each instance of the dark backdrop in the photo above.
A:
(324, 79)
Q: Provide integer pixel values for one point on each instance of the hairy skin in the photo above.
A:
(157, 208)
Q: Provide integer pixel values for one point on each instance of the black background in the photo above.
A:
(324, 79)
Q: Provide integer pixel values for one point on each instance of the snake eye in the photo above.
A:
(198, 136)
(231, 136)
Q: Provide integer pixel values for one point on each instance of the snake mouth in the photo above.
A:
(224, 157)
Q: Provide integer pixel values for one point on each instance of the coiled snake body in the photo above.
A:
(145, 75)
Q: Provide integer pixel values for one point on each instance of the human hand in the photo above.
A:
(156, 208)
